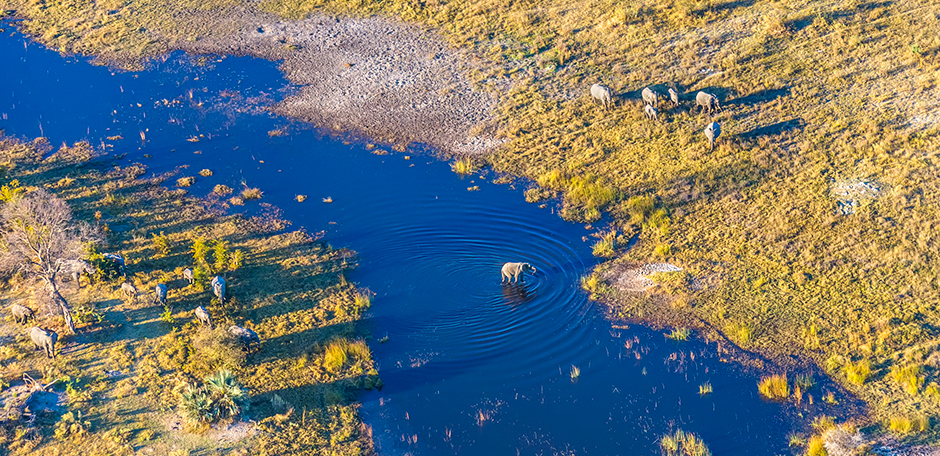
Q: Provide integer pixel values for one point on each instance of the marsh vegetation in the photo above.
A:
(139, 374)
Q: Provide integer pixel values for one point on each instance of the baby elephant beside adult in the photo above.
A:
(515, 272)
(44, 339)
(245, 336)
(21, 313)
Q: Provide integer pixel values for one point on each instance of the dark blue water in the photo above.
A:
(471, 366)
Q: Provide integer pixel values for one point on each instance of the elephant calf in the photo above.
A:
(44, 339)
(203, 315)
(21, 313)
(515, 272)
(246, 336)
(129, 290)
(189, 276)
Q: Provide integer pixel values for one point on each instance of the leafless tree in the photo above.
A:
(39, 233)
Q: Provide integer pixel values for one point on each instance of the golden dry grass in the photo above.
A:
(288, 287)
(814, 94)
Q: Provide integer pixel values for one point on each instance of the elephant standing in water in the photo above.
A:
(44, 339)
(515, 272)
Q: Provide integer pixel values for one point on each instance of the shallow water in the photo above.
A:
(471, 366)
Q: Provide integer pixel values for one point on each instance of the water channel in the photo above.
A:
(471, 367)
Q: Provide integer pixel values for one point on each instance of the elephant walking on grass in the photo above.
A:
(651, 112)
(246, 336)
(674, 96)
(21, 313)
(129, 290)
(650, 97)
(515, 272)
(159, 294)
(75, 269)
(712, 131)
(218, 288)
(189, 276)
(707, 102)
(44, 339)
(203, 315)
(602, 93)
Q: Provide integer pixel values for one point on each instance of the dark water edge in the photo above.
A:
(471, 366)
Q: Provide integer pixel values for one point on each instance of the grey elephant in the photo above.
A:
(118, 262)
(218, 288)
(21, 313)
(514, 272)
(651, 112)
(44, 339)
(712, 131)
(650, 97)
(602, 93)
(189, 276)
(159, 294)
(707, 102)
(129, 290)
(674, 96)
(246, 336)
(203, 315)
(75, 269)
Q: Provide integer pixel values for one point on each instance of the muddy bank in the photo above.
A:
(375, 77)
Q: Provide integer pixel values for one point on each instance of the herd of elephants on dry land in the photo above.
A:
(706, 101)
(45, 338)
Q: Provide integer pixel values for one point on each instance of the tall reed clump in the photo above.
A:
(859, 372)
(681, 443)
(220, 397)
(464, 166)
(776, 387)
(909, 378)
(907, 425)
(605, 247)
(341, 352)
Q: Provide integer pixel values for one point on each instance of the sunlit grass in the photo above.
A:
(464, 166)
(858, 372)
(774, 387)
(681, 443)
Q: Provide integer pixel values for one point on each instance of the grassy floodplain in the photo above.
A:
(121, 377)
(818, 97)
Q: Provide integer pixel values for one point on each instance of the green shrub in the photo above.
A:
(221, 255)
(221, 397)
(161, 243)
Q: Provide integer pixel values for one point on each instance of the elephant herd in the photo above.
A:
(706, 101)
(45, 339)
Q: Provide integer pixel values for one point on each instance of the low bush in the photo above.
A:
(220, 397)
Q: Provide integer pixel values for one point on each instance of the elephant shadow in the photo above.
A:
(517, 293)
